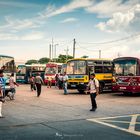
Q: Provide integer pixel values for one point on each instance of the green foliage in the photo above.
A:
(85, 56)
(43, 60)
(32, 61)
(63, 58)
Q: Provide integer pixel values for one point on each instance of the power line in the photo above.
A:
(113, 41)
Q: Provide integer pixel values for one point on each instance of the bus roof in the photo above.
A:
(122, 58)
(54, 63)
(6, 56)
(98, 59)
(36, 65)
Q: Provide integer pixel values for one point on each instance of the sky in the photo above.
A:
(28, 27)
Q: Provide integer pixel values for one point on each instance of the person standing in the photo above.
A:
(2, 89)
(38, 83)
(49, 84)
(56, 80)
(13, 85)
(65, 80)
(60, 81)
(93, 87)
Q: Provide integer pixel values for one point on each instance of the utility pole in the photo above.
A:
(52, 48)
(55, 50)
(99, 53)
(50, 52)
(67, 50)
(74, 42)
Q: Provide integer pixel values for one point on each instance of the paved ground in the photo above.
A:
(57, 116)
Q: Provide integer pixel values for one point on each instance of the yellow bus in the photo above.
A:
(79, 69)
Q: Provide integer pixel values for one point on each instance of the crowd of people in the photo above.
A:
(37, 82)
(3, 93)
(60, 82)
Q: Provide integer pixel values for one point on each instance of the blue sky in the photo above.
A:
(28, 26)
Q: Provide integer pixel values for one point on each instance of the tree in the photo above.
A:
(84, 56)
(63, 58)
(32, 61)
(44, 60)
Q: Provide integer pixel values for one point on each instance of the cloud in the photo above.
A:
(105, 8)
(16, 4)
(122, 21)
(27, 36)
(20, 24)
(32, 36)
(67, 20)
(7, 36)
(75, 4)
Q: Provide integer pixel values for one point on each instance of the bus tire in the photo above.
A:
(101, 88)
(127, 93)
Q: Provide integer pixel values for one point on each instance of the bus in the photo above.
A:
(21, 76)
(126, 75)
(63, 68)
(7, 63)
(79, 69)
(51, 70)
(33, 69)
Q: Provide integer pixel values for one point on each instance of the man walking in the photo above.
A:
(93, 87)
(38, 83)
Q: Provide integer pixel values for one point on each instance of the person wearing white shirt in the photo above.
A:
(93, 87)
(65, 79)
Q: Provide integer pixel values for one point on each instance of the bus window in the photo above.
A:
(91, 69)
(106, 62)
(107, 69)
(98, 69)
(76, 67)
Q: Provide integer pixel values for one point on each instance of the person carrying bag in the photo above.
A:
(93, 88)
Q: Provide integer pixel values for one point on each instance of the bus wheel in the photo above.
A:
(101, 88)
(81, 91)
(127, 93)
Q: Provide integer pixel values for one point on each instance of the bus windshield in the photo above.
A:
(125, 67)
(7, 63)
(76, 67)
(21, 70)
(51, 70)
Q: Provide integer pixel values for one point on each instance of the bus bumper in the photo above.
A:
(125, 89)
(78, 86)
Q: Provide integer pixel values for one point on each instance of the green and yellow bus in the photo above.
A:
(79, 69)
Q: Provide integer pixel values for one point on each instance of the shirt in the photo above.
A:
(93, 84)
(2, 82)
(65, 78)
(12, 82)
(38, 80)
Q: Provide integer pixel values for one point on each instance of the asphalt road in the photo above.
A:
(56, 116)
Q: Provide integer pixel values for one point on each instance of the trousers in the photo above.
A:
(93, 100)
(38, 87)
